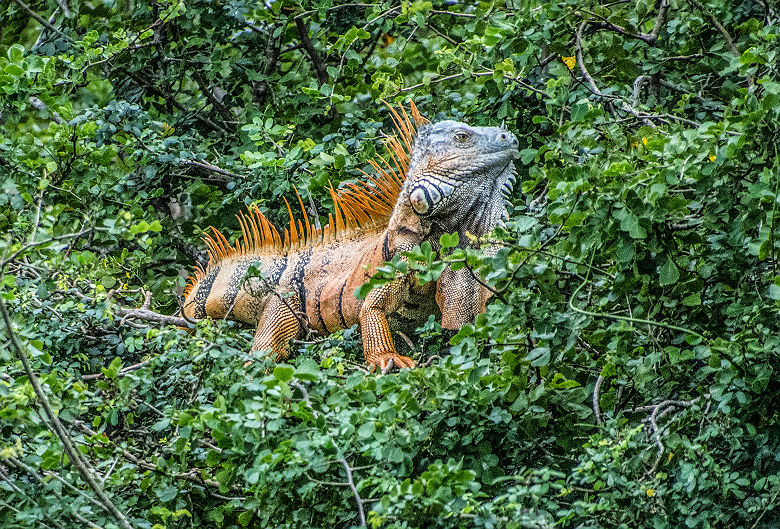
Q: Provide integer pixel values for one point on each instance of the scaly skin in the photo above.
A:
(455, 182)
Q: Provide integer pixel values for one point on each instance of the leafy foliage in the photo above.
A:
(624, 375)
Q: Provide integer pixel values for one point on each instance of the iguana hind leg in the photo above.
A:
(377, 341)
(278, 325)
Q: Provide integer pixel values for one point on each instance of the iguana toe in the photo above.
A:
(399, 362)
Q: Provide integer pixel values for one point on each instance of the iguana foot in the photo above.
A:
(382, 360)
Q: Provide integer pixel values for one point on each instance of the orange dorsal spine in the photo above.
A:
(364, 205)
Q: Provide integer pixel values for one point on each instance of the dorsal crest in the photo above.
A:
(357, 207)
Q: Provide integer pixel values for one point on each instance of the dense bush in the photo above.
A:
(625, 373)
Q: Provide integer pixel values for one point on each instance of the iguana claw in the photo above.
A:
(399, 361)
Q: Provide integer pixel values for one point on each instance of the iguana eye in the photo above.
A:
(462, 136)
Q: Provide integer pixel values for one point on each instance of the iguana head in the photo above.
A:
(459, 172)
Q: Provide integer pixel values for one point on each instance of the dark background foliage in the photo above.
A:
(624, 375)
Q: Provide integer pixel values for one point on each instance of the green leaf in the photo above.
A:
(366, 430)
(774, 291)
(668, 273)
(540, 356)
(578, 111)
(449, 240)
(692, 300)
(307, 370)
(166, 494)
(112, 370)
(245, 518)
(492, 36)
(14, 70)
(527, 155)
(283, 372)
(16, 53)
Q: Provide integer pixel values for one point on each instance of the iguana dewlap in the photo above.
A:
(454, 180)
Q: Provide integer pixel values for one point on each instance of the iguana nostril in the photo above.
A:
(503, 136)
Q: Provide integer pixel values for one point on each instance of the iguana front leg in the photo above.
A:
(377, 341)
(460, 298)
(278, 325)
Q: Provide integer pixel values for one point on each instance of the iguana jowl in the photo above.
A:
(455, 181)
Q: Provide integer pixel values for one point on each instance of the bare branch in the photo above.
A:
(660, 19)
(657, 412)
(341, 6)
(342, 459)
(714, 21)
(581, 61)
(39, 243)
(683, 57)
(388, 367)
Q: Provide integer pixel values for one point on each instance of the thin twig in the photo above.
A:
(31, 471)
(192, 476)
(210, 167)
(596, 390)
(659, 411)
(770, 504)
(626, 318)
(340, 6)
(452, 14)
(342, 459)
(23, 494)
(358, 499)
(722, 30)
(121, 372)
(39, 243)
(37, 215)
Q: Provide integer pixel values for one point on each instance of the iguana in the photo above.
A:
(446, 177)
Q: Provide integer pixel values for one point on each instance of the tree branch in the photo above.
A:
(658, 411)
(42, 21)
(40, 105)
(714, 21)
(319, 67)
(211, 168)
(452, 14)
(352, 486)
(596, 390)
(75, 456)
(192, 476)
(342, 459)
